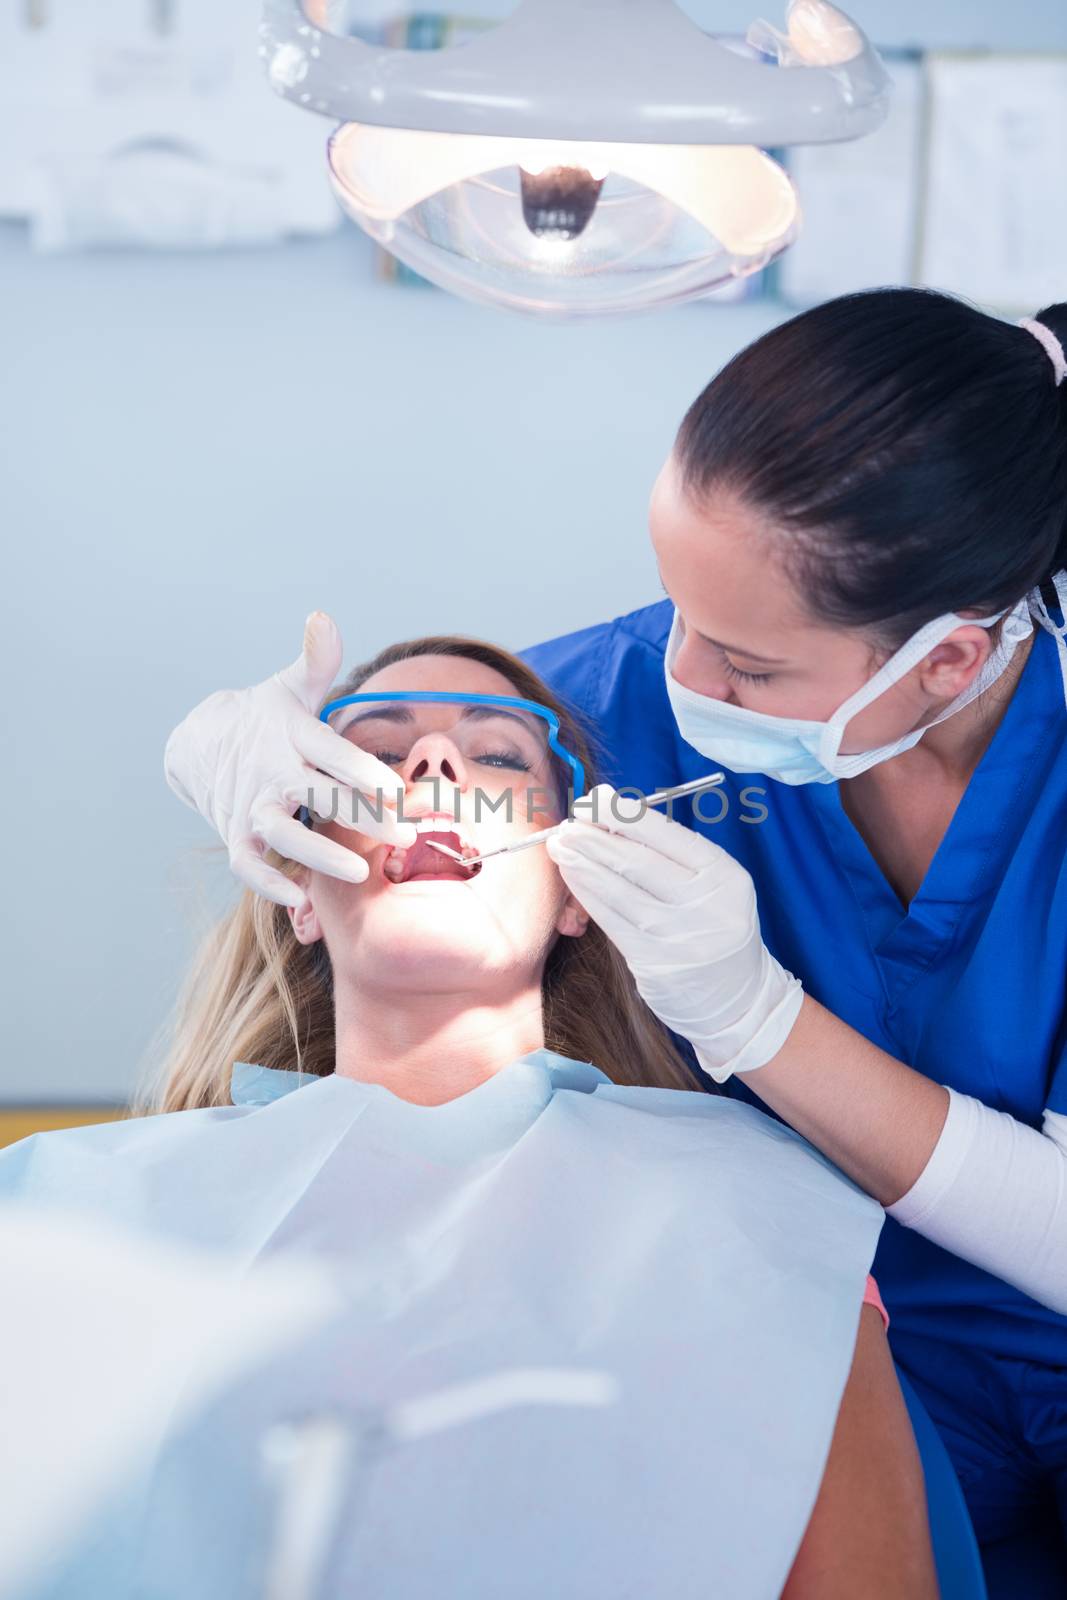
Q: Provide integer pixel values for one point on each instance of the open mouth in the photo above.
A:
(420, 863)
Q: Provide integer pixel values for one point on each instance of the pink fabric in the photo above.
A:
(871, 1297)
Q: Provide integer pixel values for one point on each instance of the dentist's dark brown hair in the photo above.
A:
(907, 451)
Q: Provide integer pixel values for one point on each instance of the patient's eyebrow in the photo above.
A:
(384, 713)
(404, 713)
(485, 713)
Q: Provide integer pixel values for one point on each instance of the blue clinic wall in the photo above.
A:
(197, 451)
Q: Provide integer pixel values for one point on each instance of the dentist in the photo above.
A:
(862, 519)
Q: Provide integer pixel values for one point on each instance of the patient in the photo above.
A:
(493, 1129)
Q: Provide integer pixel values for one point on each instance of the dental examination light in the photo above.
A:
(583, 156)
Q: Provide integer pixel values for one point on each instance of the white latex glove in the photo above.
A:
(683, 913)
(246, 759)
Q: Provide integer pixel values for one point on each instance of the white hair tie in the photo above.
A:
(1052, 346)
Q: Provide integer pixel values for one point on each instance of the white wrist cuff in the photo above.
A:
(994, 1192)
(760, 1047)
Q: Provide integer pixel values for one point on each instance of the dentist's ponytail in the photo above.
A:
(1054, 318)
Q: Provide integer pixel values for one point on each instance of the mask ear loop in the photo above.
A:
(912, 650)
(1057, 629)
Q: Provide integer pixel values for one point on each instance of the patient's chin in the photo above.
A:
(442, 931)
(436, 945)
(407, 979)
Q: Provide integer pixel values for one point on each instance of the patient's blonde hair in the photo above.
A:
(256, 994)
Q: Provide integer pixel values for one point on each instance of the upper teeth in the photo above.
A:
(439, 825)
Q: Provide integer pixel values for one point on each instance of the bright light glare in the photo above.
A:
(736, 192)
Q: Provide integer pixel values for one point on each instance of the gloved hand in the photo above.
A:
(246, 759)
(683, 913)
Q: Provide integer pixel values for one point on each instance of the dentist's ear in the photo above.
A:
(573, 919)
(305, 920)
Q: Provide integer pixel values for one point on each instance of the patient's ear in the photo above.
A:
(573, 919)
(305, 920)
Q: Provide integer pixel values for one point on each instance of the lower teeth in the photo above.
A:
(394, 864)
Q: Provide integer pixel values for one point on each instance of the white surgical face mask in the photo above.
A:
(794, 750)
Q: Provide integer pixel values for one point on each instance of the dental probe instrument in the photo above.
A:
(695, 786)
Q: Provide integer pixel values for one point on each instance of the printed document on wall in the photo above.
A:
(859, 202)
(994, 222)
(152, 126)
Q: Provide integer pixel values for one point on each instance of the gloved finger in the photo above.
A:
(292, 840)
(723, 909)
(313, 672)
(247, 864)
(635, 924)
(660, 876)
(349, 808)
(621, 909)
(671, 838)
(339, 758)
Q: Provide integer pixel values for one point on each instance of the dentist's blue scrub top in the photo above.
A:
(968, 985)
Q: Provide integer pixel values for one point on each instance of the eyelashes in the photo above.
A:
(489, 758)
(735, 673)
(745, 677)
(516, 762)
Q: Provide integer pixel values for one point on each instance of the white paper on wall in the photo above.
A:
(994, 225)
(152, 124)
(859, 202)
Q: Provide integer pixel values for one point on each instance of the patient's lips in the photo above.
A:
(421, 863)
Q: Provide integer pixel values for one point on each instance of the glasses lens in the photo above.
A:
(500, 738)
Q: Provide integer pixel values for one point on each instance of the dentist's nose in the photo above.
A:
(699, 668)
(436, 756)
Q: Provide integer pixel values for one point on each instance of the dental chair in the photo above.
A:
(956, 1555)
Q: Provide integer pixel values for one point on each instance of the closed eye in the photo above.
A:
(744, 677)
(486, 758)
(503, 758)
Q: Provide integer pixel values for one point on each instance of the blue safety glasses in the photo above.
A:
(501, 731)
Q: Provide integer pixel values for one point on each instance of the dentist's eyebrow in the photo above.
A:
(734, 649)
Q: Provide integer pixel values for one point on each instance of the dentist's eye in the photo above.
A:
(744, 677)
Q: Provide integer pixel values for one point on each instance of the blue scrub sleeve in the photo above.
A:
(1057, 1089)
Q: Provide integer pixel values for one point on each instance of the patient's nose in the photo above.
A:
(435, 756)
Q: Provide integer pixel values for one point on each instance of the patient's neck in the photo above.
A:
(433, 1047)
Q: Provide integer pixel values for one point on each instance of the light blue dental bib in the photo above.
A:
(701, 1254)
